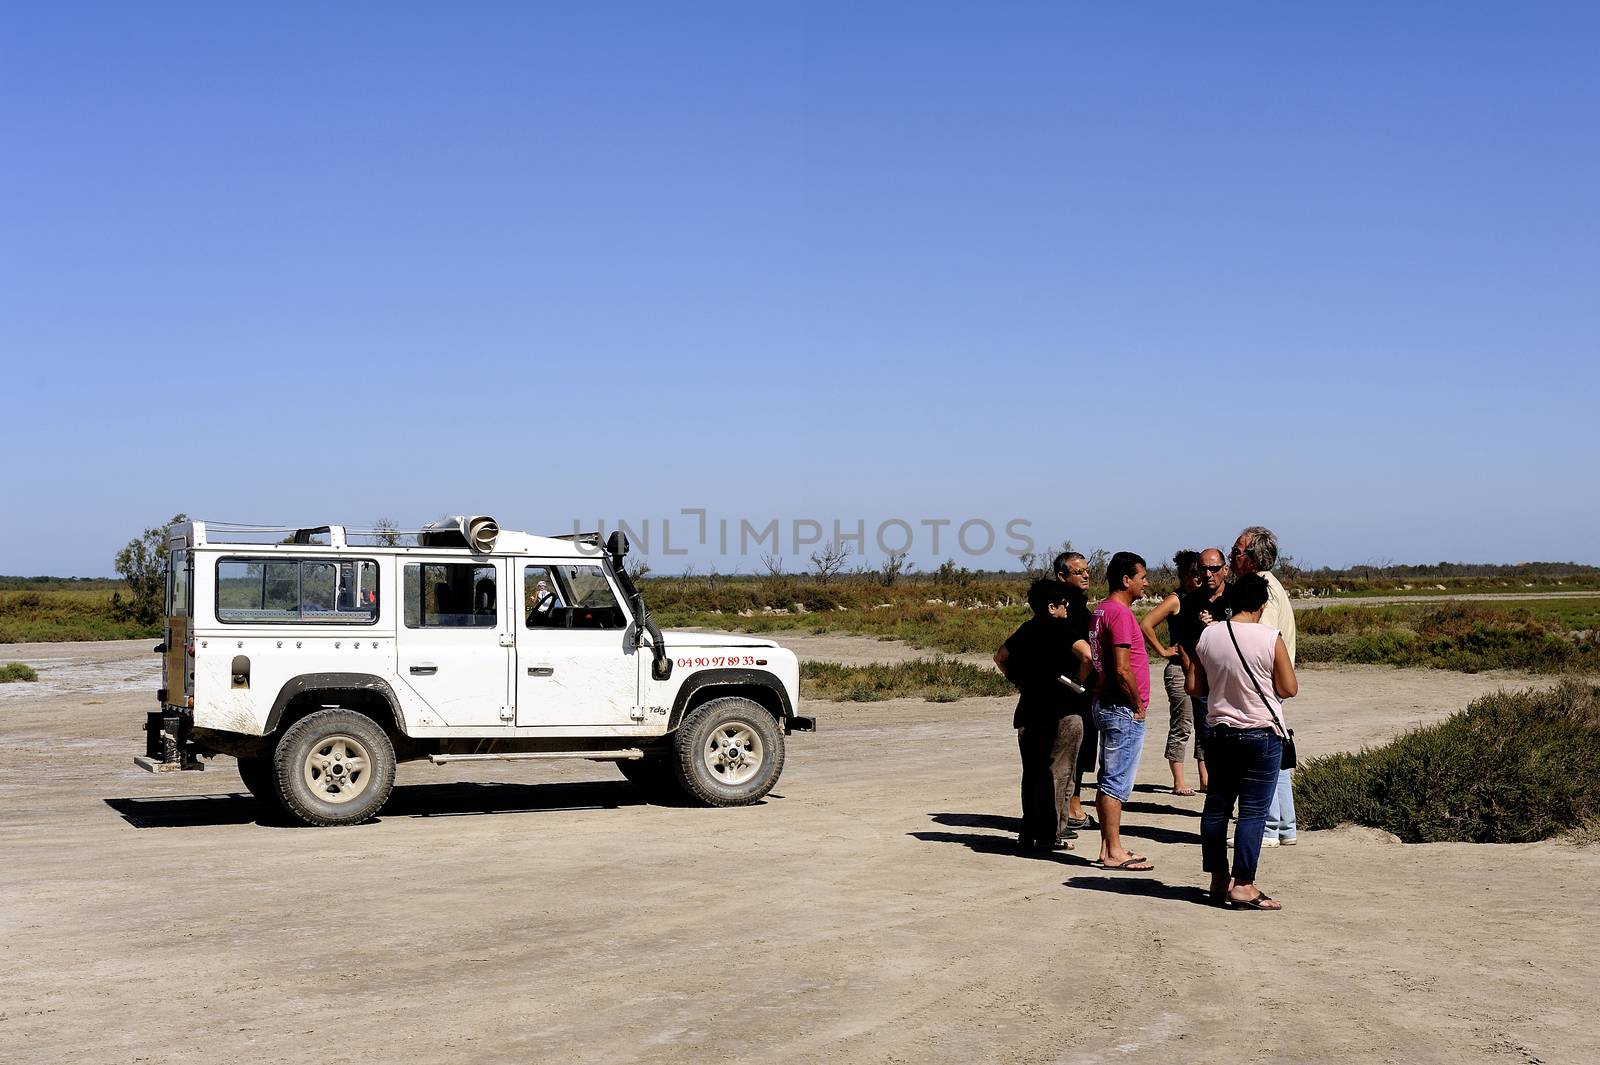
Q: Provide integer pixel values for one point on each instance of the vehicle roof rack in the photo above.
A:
(231, 532)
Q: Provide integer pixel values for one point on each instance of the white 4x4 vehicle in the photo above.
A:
(319, 662)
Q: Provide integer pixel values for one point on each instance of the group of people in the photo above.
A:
(1083, 674)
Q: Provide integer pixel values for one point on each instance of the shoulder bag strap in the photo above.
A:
(1281, 730)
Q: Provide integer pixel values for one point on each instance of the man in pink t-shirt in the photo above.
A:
(1121, 701)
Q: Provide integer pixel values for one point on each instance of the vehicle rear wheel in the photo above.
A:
(257, 774)
(730, 752)
(334, 767)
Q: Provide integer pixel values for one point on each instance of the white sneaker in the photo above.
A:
(1288, 841)
(1269, 843)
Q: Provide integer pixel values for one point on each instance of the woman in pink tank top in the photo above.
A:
(1243, 671)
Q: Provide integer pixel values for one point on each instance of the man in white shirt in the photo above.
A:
(1256, 551)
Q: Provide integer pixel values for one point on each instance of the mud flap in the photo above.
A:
(166, 743)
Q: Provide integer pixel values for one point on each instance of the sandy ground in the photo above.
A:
(873, 909)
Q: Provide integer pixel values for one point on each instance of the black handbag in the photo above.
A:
(1288, 733)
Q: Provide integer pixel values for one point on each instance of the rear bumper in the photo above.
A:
(800, 724)
(156, 765)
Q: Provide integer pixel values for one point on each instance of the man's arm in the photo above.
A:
(1085, 655)
(1194, 678)
(1284, 683)
(1002, 659)
(1130, 684)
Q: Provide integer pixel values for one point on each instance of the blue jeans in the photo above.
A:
(1244, 767)
(1121, 742)
(1280, 811)
(1201, 729)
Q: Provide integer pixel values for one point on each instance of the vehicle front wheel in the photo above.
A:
(730, 752)
(334, 767)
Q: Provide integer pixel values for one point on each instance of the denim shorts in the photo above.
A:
(1121, 742)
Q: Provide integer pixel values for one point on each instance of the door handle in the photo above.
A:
(424, 671)
(541, 671)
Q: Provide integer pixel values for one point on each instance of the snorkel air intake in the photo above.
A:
(617, 547)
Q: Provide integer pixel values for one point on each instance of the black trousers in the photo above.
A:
(1049, 752)
(1091, 747)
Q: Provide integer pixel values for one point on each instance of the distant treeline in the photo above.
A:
(45, 584)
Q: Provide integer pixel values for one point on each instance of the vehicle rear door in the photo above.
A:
(177, 669)
(455, 641)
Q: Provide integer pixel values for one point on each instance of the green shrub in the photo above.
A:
(16, 671)
(1382, 645)
(1513, 767)
(939, 680)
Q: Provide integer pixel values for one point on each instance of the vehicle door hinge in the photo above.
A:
(507, 640)
(637, 713)
(508, 714)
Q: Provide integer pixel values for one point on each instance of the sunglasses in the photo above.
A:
(1074, 572)
(1211, 569)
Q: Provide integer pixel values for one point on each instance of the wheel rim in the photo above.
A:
(733, 753)
(336, 769)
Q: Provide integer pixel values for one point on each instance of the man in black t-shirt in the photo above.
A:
(1195, 611)
(1072, 568)
(1047, 647)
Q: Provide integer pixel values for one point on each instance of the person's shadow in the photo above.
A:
(989, 843)
(1135, 807)
(1142, 886)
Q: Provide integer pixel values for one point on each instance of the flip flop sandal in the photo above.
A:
(1255, 903)
(1185, 791)
(1133, 864)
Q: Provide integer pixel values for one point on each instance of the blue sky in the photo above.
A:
(1138, 277)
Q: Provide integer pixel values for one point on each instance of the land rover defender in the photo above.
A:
(320, 657)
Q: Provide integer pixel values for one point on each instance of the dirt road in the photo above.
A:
(873, 909)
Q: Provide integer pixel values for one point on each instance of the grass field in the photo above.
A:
(939, 680)
(53, 615)
(1535, 636)
(1538, 637)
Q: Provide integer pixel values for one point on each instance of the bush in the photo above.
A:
(16, 671)
(1384, 645)
(1513, 767)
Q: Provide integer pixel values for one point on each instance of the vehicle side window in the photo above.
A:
(441, 595)
(302, 591)
(541, 596)
(570, 597)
